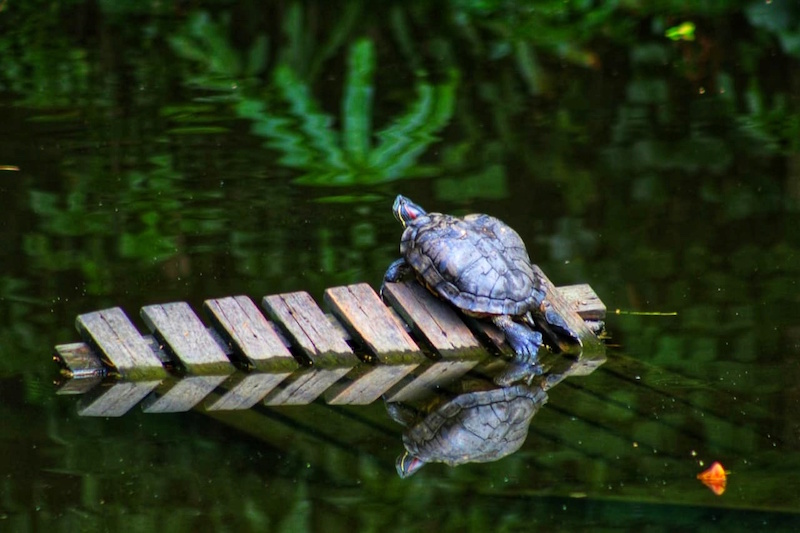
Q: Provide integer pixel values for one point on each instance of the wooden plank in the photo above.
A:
(244, 330)
(584, 301)
(321, 343)
(433, 320)
(395, 354)
(256, 342)
(252, 337)
(115, 400)
(309, 329)
(182, 332)
(369, 320)
(445, 332)
(112, 334)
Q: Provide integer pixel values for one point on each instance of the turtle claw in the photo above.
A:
(526, 347)
(523, 340)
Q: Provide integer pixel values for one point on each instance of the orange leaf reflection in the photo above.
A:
(715, 478)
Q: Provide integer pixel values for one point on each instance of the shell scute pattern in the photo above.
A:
(476, 427)
(477, 263)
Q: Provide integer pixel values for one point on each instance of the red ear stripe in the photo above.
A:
(410, 213)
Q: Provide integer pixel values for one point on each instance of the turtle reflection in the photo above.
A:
(483, 417)
(480, 424)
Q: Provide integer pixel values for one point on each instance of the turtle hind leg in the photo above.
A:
(396, 271)
(557, 329)
(525, 341)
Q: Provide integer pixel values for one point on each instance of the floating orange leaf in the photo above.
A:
(715, 478)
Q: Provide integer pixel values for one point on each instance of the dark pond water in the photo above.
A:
(178, 151)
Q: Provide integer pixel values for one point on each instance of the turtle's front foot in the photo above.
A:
(523, 340)
(395, 271)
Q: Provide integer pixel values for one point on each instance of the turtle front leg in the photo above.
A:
(523, 340)
(396, 271)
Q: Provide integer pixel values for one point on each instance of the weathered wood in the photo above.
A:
(395, 367)
(443, 330)
(371, 322)
(584, 301)
(114, 336)
(433, 320)
(256, 342)
(309, 329)
(115, 400)
(323, 345)
(252, 337)
(185, 336)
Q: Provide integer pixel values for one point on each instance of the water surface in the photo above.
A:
(173, 152)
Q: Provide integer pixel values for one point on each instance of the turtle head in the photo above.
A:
(405, 210)
(407, 464)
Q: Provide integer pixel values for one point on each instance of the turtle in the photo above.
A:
(474, 427)
(480, 265)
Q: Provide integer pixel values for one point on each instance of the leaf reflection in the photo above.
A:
(306, 136)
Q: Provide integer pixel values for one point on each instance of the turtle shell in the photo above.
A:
(475, 427)
(477, 263)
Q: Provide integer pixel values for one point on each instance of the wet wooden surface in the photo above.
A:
(433, 320)
(181, 331)
(111, 332)
(364, 351)
(392, 353)
(249, 333)
(440, 328)
(584, 301)
(309, 329)
(319, 342)
(363, 314)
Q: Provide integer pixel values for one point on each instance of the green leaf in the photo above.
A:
(681, 32)
(314, 123)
